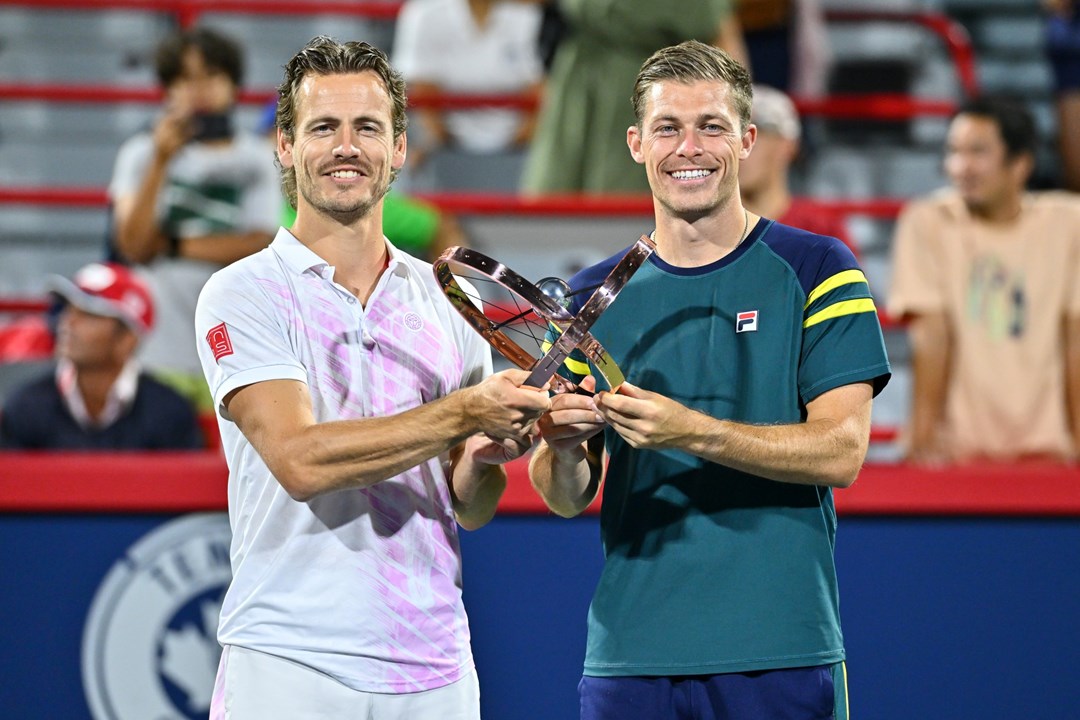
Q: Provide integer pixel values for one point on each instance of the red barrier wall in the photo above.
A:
(181, 482)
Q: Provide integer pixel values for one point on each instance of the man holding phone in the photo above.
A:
(191, 195)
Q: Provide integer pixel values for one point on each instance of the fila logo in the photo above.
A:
(746, 321)
(220, 344)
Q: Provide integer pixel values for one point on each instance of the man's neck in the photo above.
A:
(94, 385)
(1003, 212)
(686, 243)
(356, 251)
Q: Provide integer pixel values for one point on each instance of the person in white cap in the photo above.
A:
(764, 177)
(98, 398)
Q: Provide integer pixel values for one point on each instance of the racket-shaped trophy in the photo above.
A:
(515, 315)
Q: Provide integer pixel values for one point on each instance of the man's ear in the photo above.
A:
(1022, 167)
(749, 137)
(401, 146)
(633, 141)
(284, 149)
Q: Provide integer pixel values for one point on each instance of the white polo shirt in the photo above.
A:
(365, 584)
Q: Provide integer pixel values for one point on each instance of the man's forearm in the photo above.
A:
(223, 248)
(476, 489)
(820, 452)
(1072, 379)
(568, 483)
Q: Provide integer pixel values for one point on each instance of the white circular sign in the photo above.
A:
(150, 649)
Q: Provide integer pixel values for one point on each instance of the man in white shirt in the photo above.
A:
(359, 419)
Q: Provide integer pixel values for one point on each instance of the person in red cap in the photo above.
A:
(98, 398)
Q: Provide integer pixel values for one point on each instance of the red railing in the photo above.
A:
(873, 106)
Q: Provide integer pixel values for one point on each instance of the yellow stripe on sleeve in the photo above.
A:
(847, 307)
(575, 366)
(846, 277)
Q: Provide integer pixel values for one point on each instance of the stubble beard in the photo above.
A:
(343, 211)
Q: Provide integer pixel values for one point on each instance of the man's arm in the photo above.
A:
(138, 237)
(1072, 378)
(477, 478)
(827, 449)
(567, 467)
(223, 248)
(930, 359)
(310, 458)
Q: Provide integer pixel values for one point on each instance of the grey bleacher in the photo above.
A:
(111, 47)
(270, 40)
(75, 144)
(461, 171)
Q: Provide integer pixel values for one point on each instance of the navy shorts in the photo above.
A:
(811, 693)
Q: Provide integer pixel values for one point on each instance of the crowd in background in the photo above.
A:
(983, 269)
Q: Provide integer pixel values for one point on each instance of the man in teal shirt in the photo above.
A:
(754, 350)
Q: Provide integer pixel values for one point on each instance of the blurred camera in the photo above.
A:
(212, 126)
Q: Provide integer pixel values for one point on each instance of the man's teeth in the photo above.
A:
(345, 174)
(689, 174)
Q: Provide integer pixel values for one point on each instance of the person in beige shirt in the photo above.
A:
(988, 275)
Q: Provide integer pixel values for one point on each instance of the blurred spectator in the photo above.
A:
(1063, 50)
(98, 398)
(191, 196)
(469, 46)
(787, 44)
(26, 339)
(764, 176)
(580, 141)
(987, 274)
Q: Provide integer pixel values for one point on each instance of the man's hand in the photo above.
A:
(489, 451)
(571, 421)
(646, 420)
(503, 409)
(173, 129)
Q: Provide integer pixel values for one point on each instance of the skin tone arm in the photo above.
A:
(528, 120)
(729, 38)
(1072, 378)
(567, 467)
(931, 349)
(310, 459)
(827, 449)
(434, 130)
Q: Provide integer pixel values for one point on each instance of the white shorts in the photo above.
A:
(256, 686)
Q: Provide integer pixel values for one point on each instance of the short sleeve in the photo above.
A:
(916, 273)
(242, 336)
(412, 54)
(842, 339)
(130, 166)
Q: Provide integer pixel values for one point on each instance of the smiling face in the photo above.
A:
(691, 142)
(344, 152)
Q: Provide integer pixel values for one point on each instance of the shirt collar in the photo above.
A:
(299, 258)
(120, 399)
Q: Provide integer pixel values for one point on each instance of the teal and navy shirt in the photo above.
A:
(708, 569)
